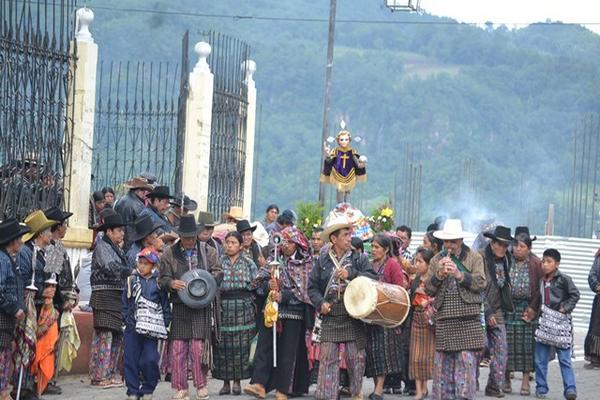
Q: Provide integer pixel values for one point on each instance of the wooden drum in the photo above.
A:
(377, 302)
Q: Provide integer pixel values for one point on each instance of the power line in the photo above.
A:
(323, 20)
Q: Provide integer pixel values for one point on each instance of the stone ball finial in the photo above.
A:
(250, 67)
(85, 16)
(202, 50)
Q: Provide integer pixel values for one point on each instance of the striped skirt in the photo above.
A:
(384, 351)
(422, 347)
(520, 338)
(238, 328)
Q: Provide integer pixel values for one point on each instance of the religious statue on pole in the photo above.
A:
(343, 166)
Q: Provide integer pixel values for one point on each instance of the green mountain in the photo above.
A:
(443, 94)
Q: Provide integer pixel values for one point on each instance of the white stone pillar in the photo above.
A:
(79, 160)
(250, 68)
(196, 156)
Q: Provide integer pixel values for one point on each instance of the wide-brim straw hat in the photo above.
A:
(334, 225)
(452, 230)
(38, 223)
(234, 212)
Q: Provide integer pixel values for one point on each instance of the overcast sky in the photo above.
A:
(517, 11)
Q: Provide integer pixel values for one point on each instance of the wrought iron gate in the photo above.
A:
(228, 131)
(139, 117)
(34, 98)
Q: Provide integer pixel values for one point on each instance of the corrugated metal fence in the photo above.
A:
(577, 258)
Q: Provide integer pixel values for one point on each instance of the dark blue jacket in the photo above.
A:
(150, 291)
(25, 261)
(12, 297)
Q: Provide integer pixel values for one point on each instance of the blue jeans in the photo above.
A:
(542, 358)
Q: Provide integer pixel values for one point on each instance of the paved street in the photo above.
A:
(77, 388)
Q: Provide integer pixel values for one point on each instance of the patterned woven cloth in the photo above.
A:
(458, 324)
(190, 323)
(338, 327)
(106, 305)
(384, 351)
(520, 338)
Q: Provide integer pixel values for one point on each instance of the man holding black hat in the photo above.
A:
(159, 202)
(191, 328)
(12, 307)
(498, 263)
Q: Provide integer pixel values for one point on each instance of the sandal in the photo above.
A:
(225, 390)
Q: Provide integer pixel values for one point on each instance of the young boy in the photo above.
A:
(147, 313)
(558, 293)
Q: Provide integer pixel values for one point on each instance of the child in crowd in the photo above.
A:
(147, 313)
(559, 297)
(422, 335)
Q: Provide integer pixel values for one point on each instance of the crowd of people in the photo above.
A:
(498, 304)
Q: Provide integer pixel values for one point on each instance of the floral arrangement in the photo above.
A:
(382, 219)
(355, 217)
(309, 217)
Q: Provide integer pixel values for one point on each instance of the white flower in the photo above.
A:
(384, 219)
(379, 218)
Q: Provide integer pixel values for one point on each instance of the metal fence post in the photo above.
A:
(250, 67)
(78, 158)
(196, 156)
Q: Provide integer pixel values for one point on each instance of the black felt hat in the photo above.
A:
(524, 230)
(244, 225)
(56, 214)
(11, 229)
(142, 227)
(500, 233)
(111, 221)
(187, 226)
(160, 192)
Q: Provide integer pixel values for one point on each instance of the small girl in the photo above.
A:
(422, 335)
(147, 313)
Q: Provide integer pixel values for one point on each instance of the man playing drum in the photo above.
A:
(328, 280)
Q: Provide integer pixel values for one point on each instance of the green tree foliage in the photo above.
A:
(506, 99)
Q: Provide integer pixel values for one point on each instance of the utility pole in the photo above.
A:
(327, 99)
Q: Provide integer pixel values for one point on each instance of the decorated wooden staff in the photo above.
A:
(272, 307)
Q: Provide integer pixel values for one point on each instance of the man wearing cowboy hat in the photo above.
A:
(131, 205)
(181, 205)
(58, 263)
(58, 258)
(328, 280)
(159, 202)
(456, 280)
(498, 263)
(250, 248)
(191, 328)
(12, 307)
(32, 262)
(143, 234)
(206, 225)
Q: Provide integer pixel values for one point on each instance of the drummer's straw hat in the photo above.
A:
(333, 225)
(452, 230)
